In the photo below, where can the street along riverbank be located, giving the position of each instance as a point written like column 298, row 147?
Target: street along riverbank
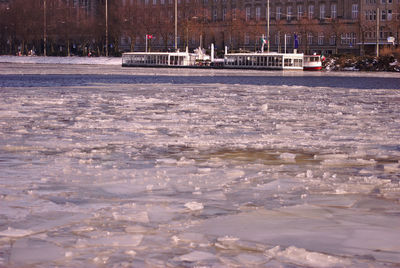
column 332, row 63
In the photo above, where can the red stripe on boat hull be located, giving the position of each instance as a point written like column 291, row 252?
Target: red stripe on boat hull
column 316, row 68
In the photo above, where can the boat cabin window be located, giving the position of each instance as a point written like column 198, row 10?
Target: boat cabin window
column 298, row 63
column 312, row 59
column 288, row 62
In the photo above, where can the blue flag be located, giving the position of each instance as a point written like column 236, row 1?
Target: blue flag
column 296, row 41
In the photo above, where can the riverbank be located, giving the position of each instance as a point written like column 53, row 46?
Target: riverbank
column 331, row 63
column 358, row 63
column 62, row 60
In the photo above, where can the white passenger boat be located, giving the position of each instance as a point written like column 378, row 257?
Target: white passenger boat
column 260, row 61
column 312, row 63
column 269, row 61
column 158, row 59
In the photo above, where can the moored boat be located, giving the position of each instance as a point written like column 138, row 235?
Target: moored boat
column 312, row 63
column 158, row 59
column 268, row 61
column 258, row 61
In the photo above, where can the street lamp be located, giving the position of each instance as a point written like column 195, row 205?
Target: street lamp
column 44, row 29
column 106, row 28
column 268, row 26
column 176, row 24
column 201, row 30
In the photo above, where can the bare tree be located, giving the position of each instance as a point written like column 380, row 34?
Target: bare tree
column 278, row 29
column 256, row 29
column 306, row 26
column 131, row 26
column 24, row 13
column 237, row 27
column 6, row 30
column 338, row 27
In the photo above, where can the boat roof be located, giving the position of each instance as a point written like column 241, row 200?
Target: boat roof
column 266, row 54
column 160, row 53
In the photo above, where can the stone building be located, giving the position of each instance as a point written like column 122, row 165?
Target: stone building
column 327, row 26
column 322, row 26
column 379, row 23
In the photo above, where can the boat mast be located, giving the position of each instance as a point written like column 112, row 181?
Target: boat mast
column 106, row 28
column 268, row 26
column 176, row 24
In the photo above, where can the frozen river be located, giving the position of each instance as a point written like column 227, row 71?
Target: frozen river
column 105, row 166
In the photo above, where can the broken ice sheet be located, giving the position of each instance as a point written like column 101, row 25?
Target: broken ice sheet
column 316, row 229
column 14, row 233
column 79, row 147
column 111, row 240
column 197, row 256
column 28, row 251
column 300, row 256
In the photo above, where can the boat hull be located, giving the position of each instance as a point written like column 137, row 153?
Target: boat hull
column 312, row 68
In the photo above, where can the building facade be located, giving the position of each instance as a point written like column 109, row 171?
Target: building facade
column 322, row 26
column 379, row 23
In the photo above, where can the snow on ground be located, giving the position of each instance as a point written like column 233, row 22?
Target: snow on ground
column 62, row 60
column 126, row 167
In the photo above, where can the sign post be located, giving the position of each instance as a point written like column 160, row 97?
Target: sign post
column 391, row 39
column 148, row 36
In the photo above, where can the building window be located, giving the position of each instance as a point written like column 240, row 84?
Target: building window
column 333, row 11
column 278, row 13
column 354, row 11
column 289, row 40
column 258, row 13
column 389, row 15
column 310, row 38
column 332, row 40
column 224, row 14
column 154, row 2
column 215, row 15
column 349, row 39
column 248, row 12
column 277, row 38
column 343, row 39
column 299, row 12
column 320, row 39
column 246, row 39
column 289, row 13
column 383, row 15
column 310, row 12
column 322, row 11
